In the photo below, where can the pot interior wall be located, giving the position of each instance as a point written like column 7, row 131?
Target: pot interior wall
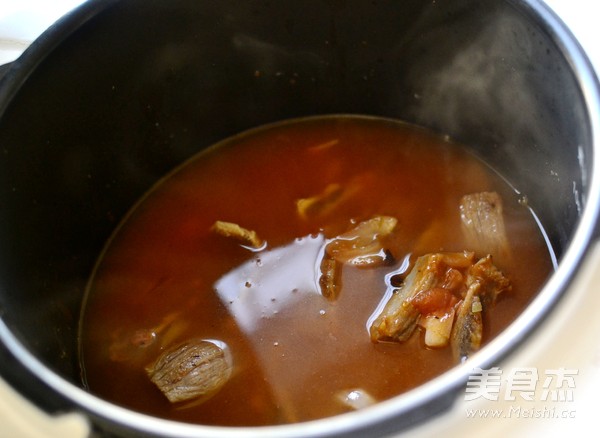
column 145, row 84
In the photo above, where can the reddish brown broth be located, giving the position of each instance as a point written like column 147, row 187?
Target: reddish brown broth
column 293, row 350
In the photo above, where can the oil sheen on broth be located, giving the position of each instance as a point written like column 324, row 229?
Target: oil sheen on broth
column 168, row 276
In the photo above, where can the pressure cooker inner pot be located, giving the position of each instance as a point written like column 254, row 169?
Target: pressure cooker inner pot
column 119, row 93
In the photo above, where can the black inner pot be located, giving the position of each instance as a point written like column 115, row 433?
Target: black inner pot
column 120, row 92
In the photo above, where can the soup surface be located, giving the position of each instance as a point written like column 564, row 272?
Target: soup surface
column 170, row 275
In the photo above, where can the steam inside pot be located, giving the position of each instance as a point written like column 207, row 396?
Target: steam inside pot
column 306, row 269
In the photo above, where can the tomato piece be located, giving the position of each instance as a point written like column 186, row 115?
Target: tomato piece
column 434, row 300
column 453, row 280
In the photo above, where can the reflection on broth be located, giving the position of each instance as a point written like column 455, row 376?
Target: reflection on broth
column 306, row 269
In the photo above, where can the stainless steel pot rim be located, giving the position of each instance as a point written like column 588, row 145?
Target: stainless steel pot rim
column 447, row 384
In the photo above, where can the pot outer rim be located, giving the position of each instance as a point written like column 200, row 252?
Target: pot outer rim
column 387, row 416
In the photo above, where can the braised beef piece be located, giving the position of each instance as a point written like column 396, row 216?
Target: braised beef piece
column 446, row 294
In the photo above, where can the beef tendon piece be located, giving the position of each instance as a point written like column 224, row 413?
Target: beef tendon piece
column 360, row 247
column 246, row 237
column 321, row 204
column 398, row 319
column 363, row 245
column 330, row 279
column 483, row 224
column 192, row 370
column 467, row 331
column 333, row 197
column 484, row 283
column 492, row 282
